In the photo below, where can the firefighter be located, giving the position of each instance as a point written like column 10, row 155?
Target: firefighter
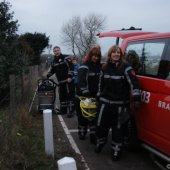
column 117, row 80
column 62, row 67
column 88, row 76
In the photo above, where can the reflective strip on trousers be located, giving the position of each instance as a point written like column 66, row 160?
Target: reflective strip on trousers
column 100, row 114
column 92, row 129
column 101, row 141
column 82, row 130
column 116, row 146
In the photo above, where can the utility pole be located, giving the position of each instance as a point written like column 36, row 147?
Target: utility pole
column 48, row 61
column 49, row 49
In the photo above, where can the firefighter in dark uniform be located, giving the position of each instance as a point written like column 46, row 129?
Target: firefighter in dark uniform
column 118, row 84
column 88, row 76
column 62, row 67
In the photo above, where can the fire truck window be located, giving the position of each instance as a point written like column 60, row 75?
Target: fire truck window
column 149, row 55
column 152, row 54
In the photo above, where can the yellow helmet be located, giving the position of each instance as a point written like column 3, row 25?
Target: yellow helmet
column 88, row 107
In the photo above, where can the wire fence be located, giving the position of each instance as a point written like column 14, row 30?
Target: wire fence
column 20, row 89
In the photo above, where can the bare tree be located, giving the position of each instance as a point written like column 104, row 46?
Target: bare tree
column 79, row 35
column 70, row 33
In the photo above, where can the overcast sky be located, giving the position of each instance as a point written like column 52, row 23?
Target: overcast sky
column 48, row 16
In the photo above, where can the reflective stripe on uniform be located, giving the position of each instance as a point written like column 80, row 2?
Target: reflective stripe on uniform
column 113, row 102
column 100, row 114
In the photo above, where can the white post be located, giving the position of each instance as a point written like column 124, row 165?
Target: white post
column 48, row 132
column 67, row 163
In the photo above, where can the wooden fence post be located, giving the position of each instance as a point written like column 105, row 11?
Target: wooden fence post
column 12, row 95
column 36, row 73
column 23, row 85
column 30, row 77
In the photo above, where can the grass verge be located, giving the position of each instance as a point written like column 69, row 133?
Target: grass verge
column 22, row 143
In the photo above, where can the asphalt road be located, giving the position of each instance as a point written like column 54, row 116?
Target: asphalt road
column 102, row 161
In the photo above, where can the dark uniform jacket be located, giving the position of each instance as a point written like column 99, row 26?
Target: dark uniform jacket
column 62, row 67
column 88, row 75
column 117, row 83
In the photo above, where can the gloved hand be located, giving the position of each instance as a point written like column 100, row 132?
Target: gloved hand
column 69, row 80
column 97, row 96
column 49, row 75
column 86, row 94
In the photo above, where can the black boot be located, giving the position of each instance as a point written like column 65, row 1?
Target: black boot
column 98, row 149
column 82, row 131
column 82, row 137
column 93, row 139
column 63, row 111
column 70, row 115
column 100, row 144
column 116, row 155
column 116, row 149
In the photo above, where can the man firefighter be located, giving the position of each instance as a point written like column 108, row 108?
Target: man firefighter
column 63, row 69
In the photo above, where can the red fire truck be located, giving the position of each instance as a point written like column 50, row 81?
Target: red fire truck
column 153, row 51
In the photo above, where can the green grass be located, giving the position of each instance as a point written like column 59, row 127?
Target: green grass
column 22, row 143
